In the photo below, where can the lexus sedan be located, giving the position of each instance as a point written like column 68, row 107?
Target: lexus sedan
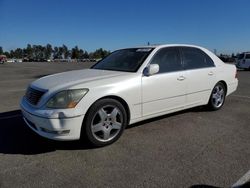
column 128, row 86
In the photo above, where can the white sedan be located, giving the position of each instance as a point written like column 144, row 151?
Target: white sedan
column 128, row 86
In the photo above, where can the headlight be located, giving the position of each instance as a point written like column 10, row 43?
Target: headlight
column 67, row 98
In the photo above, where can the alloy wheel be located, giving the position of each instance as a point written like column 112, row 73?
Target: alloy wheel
column 218, row 96
column 106, row 123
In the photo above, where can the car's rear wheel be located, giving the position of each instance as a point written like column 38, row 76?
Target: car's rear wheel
column 217, row 97
column 105, row 122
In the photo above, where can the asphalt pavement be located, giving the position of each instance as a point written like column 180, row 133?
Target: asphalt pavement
column 183, row 149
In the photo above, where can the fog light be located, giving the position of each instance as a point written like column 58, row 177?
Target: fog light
column 55, row 132
column 63, row 132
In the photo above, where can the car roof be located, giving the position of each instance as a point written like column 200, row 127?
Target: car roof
column 169, row 45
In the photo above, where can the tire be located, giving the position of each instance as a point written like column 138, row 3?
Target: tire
column 105, row 122
column 217, row 97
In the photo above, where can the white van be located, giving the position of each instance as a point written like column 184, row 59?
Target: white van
column 243, row 61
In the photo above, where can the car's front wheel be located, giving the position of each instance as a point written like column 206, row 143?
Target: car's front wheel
column 105, row 122
column 217, row 97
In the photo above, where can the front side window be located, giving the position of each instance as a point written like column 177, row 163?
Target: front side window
column 195, row 58
column 127, row 60
column 168, row 60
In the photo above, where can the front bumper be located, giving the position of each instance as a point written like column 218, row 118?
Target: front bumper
column 66, row 128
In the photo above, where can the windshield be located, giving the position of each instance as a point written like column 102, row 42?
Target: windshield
column 127, row 60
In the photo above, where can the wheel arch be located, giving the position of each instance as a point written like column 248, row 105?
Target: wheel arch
column 209, row 104
column 224, row 83
column 119, row 99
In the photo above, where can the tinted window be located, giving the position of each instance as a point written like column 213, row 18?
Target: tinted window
column 168, row 60
column 128, row 60
column 247, row 56
column 241, row 56
column 195, row 58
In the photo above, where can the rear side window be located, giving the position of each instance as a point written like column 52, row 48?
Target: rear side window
column 195, row 58
column 247, row 56
column 168, row 60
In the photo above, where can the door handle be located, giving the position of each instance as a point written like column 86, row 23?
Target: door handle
column 210, row 73
column 181, row 78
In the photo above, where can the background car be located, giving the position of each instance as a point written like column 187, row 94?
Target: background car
column 3, row 59
column 243, row 61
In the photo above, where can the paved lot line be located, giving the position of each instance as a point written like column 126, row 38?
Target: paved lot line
column 242, row 180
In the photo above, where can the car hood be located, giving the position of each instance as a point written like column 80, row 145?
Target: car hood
column 71, row 78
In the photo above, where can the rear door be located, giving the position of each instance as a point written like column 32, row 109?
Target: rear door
column 200, row 73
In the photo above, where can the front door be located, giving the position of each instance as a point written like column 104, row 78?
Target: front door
column 166, row 90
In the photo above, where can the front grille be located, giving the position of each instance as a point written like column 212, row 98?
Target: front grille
column 33, row 96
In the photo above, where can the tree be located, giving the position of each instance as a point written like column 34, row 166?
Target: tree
column 75, row 53
column 18, row 53
column 66, row 52
column 55, row 52
column 60, row 52
column 29, row 52
column 7, row 54
column 11, row 53
column 86, row 55
column 99, row 54
column 40, row 52
column 48, row 51
column 81, row 53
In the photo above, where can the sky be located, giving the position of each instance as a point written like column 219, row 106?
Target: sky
column 111, row 24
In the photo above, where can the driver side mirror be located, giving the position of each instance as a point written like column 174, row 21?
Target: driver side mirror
column 151, row 70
